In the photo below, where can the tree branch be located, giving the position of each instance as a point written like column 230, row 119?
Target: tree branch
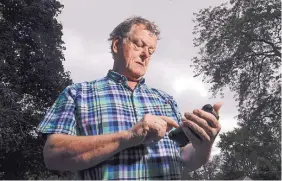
column 275, row 49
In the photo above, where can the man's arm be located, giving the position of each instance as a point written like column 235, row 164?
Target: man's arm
column 193, row 159
column 65, row 151
column 72, row 153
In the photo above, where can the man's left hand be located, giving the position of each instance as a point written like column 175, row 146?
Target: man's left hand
column 205, row 125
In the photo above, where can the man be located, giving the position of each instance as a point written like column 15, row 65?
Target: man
column 117, row 127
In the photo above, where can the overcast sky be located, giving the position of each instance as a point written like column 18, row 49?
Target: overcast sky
column 88, row 23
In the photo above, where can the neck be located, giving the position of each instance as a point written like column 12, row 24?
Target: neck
column 132, row 84
column 131, row 81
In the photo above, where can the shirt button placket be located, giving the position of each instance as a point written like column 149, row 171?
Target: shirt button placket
column 133, row 100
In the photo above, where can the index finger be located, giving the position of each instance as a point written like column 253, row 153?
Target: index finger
column 170, row 121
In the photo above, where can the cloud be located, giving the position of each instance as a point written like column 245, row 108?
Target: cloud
column 85, row 61
column 183, row 83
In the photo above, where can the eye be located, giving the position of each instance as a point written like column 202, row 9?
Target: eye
column 137, row 43
column 140, row 45
column 151, row 51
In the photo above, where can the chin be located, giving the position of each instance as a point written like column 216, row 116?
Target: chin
column 138, row 74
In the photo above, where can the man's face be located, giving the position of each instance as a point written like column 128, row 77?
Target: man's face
column 133, row 55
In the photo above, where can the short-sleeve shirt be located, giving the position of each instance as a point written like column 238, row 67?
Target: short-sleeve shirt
column 109, row 105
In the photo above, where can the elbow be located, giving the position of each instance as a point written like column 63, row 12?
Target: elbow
column 49, row 164
column 55, row 166
column 48, row 160
column 55, row 156
column 54, row 160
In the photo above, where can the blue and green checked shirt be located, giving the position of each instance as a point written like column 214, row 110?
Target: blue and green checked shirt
column 107, row 106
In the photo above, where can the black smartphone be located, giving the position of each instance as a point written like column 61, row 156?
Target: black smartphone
column 179, row 136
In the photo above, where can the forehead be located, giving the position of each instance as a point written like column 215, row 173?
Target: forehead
column 139, row 31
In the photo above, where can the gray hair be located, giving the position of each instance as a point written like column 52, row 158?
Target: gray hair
column 123, row 29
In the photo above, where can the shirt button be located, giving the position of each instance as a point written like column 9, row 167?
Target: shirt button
column 116, row 175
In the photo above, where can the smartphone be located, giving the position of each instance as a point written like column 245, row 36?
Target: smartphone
column 178, row 136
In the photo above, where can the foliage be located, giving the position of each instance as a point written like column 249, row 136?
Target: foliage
column 240, row 49
column 31, row 77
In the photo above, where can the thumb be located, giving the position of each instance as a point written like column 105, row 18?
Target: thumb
column 217, row 106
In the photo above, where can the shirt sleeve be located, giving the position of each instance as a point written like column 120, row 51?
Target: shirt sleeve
column 60, row 118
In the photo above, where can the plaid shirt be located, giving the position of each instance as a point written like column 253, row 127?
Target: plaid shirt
column 107, row 106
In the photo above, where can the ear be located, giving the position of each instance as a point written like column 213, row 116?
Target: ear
column 115, row 44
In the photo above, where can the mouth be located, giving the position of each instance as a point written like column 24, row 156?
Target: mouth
column 140, row 64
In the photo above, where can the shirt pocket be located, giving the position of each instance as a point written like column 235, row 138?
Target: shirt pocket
column 160, row 108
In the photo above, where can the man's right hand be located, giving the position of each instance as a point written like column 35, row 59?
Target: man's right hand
column 151, row 129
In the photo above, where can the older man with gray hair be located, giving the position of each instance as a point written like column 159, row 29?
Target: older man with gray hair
column 117, row 127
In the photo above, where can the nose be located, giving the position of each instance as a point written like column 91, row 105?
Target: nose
column 145, row 54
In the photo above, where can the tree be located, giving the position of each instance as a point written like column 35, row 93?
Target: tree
column 31, row 77
column 240, row 45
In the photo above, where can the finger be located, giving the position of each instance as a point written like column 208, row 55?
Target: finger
column 170, row 122
column 201, row 123
column 197, row 129
column 217, row 106
column 200, row 115
column 158, row 130
column 168, row 128
column 158, row 125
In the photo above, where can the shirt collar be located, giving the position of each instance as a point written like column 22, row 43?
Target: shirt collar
column 121, row 78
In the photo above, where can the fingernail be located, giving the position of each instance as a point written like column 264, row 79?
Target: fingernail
column 187, row 114
column 196, row 111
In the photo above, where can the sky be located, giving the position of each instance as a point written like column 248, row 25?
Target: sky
column 86, row 28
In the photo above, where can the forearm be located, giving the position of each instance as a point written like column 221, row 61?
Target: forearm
column 72, row 153
column 194, row 159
